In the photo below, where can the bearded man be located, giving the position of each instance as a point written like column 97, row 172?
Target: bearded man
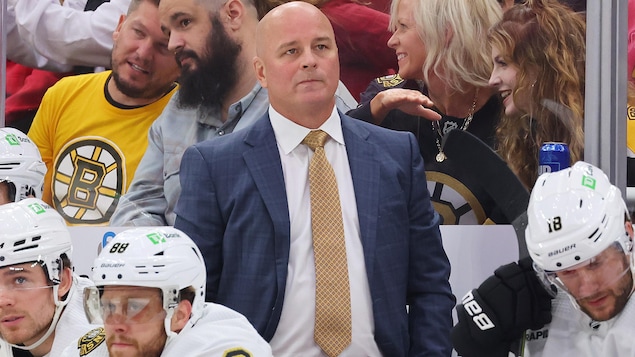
column 215, row 43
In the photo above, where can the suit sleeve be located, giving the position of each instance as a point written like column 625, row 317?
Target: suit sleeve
column 430, row 297
column 201, row 222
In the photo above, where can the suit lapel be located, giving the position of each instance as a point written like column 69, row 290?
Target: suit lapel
column 365, row 172
column 263, row 163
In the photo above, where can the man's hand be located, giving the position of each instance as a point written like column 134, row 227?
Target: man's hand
column 498, row 312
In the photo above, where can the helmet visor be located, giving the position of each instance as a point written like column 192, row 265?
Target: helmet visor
column 123, row 305
column 593, row 275
column 23, row 278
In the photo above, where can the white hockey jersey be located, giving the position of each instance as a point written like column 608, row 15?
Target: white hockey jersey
column 572, row 333
column 219, row 332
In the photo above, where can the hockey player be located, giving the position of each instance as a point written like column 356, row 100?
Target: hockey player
column 150, row 298
column 21, row 167
column 40, row 296
column 580, row 239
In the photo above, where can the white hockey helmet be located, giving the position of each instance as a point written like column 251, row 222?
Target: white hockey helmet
column 156, row 257
column 573, row 215
column 33, row 231
column 21, row 164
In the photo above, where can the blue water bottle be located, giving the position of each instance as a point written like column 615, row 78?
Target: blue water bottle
column 553, row 157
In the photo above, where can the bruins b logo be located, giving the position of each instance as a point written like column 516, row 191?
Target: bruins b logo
column 91, row 340
column 453, row 200
column 390, row 80
column 88, row 179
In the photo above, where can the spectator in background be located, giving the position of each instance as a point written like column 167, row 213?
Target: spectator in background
column 538, row 51
column 380, row 5
column 54, row 36
column 246, row 203
column 218, row 94
column 92, row 129
column 361, row 33
column 630, row 113
column 25, row 88
column 443, row 54
column 26, row 85
column 631, row 41
column 630, row 135
column 506, row 4
column 576, row 5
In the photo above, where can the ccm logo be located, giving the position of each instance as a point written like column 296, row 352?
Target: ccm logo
column 474, row 309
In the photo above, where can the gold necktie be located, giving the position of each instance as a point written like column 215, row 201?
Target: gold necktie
column 332, row 292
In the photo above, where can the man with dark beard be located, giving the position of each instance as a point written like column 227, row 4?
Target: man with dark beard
column 214, row 42
column 92, row 129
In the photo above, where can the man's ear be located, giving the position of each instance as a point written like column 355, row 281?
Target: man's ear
column 261, row 73
column 233, row 12
column 629, row 229
column 181, row 316
column 66, row 283
column 115, row 33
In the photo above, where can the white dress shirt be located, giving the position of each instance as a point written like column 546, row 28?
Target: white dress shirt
column 294, row 334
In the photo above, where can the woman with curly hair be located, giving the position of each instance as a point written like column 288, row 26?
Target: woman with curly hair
column 538, row 51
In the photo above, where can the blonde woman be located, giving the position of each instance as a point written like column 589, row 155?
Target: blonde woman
column 444, row 64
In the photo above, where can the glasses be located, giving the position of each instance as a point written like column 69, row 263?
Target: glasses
column 114, row 307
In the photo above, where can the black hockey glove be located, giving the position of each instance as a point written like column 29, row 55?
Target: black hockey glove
column 498, row 312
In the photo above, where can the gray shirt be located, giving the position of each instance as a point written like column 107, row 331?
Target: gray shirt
column 155, row 189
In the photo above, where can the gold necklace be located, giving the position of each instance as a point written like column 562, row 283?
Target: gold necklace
column 436, row 129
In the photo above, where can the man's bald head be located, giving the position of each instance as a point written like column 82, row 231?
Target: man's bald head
column 297, row 61
column 281, row 14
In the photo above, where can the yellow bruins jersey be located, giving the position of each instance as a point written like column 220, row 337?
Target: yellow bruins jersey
column 91, row 146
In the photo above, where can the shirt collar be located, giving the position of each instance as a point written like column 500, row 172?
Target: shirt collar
column 211, row 116
column 289, row 134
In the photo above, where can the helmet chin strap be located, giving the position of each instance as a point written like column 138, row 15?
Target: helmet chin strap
column 59, row 307
column 167, row 324
column 632, row 261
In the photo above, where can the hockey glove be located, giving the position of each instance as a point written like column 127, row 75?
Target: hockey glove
column 497, row 313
